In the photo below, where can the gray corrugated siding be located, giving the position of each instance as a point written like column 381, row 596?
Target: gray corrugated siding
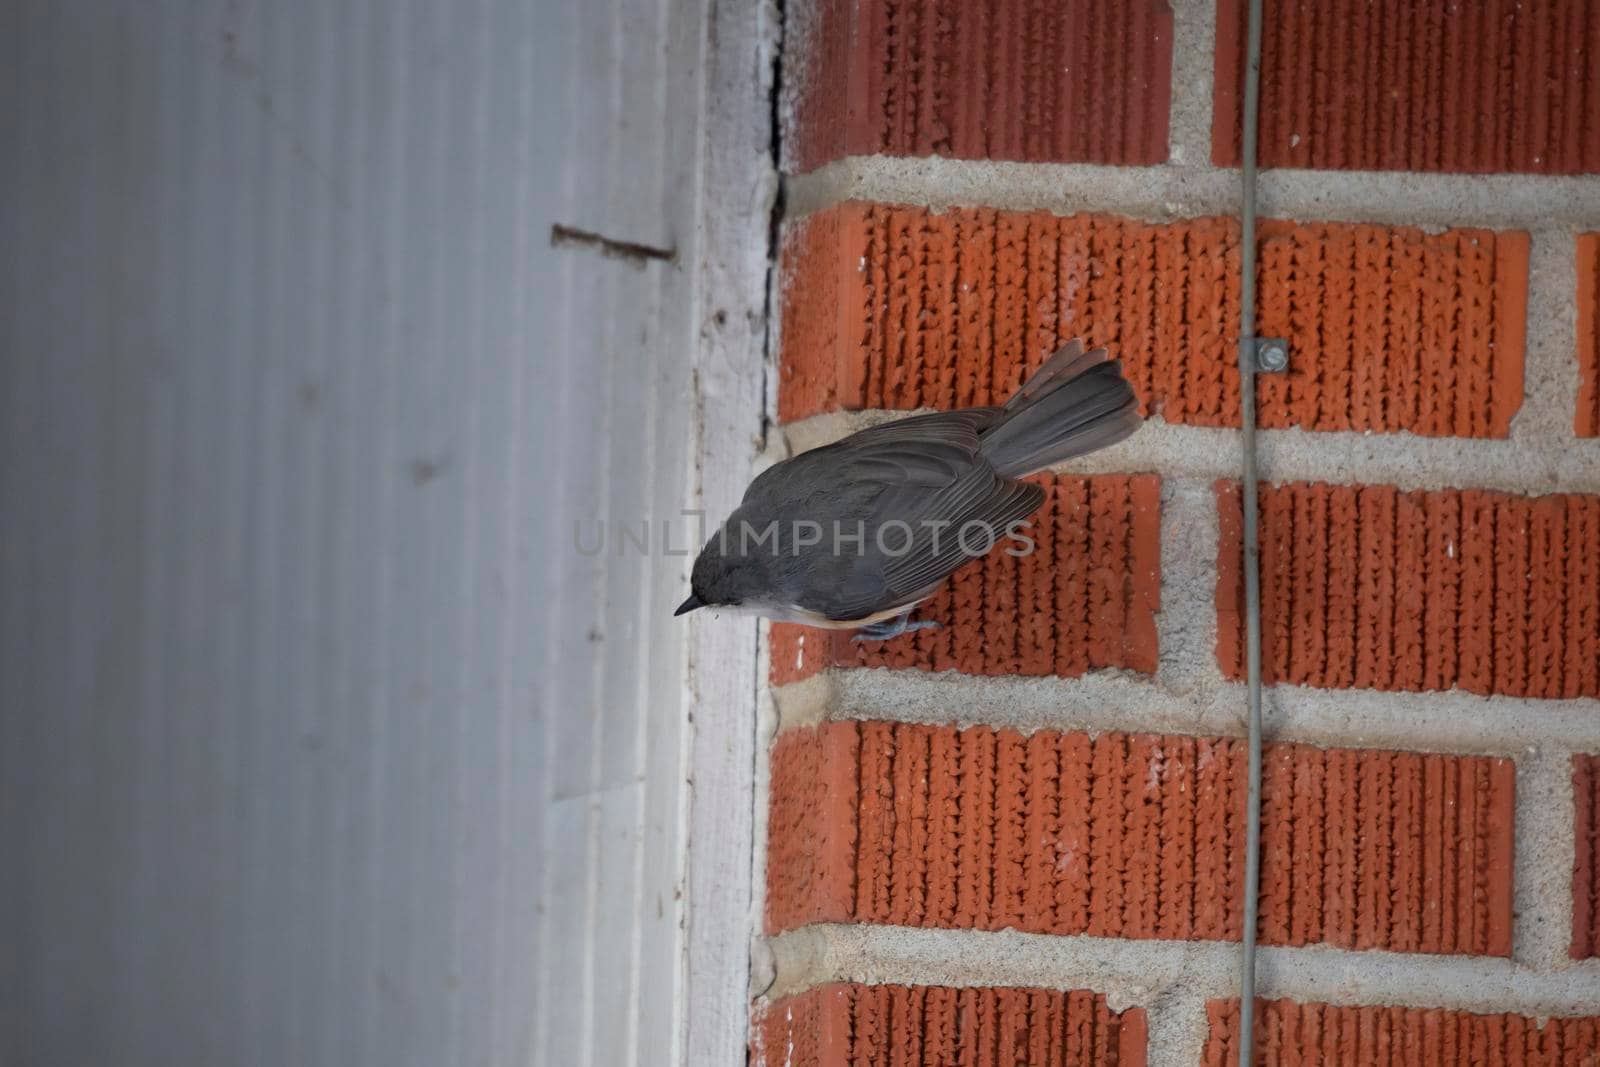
column 301, row 677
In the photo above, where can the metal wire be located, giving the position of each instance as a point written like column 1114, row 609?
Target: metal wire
column 1252, row 546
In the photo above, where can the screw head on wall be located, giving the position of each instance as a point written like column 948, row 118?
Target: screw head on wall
column 1272, row 355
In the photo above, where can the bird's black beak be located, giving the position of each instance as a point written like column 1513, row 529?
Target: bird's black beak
column 689, row 605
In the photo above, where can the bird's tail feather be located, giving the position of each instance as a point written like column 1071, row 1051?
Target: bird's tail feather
column 1076, row 403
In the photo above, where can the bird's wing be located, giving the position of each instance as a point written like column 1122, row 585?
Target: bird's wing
column 909, row 487
column 941, row 546
column 952, row 427
column 958, row 430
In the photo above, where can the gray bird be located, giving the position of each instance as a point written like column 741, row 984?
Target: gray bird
column 855, row 534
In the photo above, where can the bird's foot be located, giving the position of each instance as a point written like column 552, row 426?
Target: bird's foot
column 890, row 628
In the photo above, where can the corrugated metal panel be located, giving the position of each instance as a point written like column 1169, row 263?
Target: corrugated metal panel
column 301, row 675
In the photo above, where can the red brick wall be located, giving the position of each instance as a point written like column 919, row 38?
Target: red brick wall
column 1394, row 329
column 1368, row 587
column 1434, row 552
column 1586, row 857
column 1287, row 1032
column 1587, row 421
column 1424, row 86
column 1020, row 80
column 1136, row 836
column 843, row 1025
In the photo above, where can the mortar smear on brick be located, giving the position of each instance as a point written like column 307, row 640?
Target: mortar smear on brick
column 1289, row 1032
column 1137, row 836
column 1420, row 86
column 1391, row 328
column 1367, row 587
column 1084, row 597
column 1032, row 80
column 845, row 1025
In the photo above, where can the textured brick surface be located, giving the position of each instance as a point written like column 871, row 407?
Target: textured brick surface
column 1393, row 329
column 1586, row 856
column 1344, row 1036
column 1587, row 421
column 1034, row 80
column 906, row 1026
column 796, row 652
column 1371, row 588
column 1427, row 85
column 1137, row 836
column 1084, row 598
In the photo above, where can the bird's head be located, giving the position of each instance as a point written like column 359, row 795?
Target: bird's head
column 727, row 576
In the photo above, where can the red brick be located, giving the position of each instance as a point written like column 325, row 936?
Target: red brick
column 1137, row 836
column 1430, row 85
column 1085, row 598
column 795, row 652
column 1392, row 328
column 1586, row 423
column 856, row 1025
column 1029, row 80
column 1586, row 857
column 1363, row 586
column 1384, row 1036
column 811, row 825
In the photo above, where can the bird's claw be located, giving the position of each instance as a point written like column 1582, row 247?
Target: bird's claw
column 883, row 631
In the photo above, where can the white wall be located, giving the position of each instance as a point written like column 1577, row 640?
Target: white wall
column 319, row 744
